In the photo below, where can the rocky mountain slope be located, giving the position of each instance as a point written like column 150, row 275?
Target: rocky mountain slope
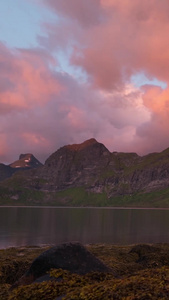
column 92, row 166
column 92, row 170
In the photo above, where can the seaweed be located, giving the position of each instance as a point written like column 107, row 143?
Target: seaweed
column 143, row 274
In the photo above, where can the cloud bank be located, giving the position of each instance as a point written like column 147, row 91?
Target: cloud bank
column 78, row 83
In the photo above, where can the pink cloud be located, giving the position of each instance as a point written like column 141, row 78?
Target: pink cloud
column 27, row 85
column 125, row 37
column 47, row 109
column 131, row 40
column 86, row 12
column 25, row 79
column 42, row 109
column 122, row 39
column 154, row 133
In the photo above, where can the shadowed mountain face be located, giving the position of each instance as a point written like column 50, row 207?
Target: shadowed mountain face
column 92, row 167
column 76, row 165
column 5, row 172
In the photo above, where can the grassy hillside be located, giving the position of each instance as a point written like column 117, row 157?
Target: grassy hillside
column 14, row 192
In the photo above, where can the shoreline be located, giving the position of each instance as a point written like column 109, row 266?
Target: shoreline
column 32, row 247
column 87, row 207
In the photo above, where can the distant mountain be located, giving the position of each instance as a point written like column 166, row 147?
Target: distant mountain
column 89, row 174
column 26, row 161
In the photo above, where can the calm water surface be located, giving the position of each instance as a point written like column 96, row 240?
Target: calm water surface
column 20, row 226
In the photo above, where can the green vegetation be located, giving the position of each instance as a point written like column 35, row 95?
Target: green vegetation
column 21, row 196
column 142, row 273
column 79, row 196
column 152, row 160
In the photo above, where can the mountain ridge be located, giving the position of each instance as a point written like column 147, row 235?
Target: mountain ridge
column 89, row 170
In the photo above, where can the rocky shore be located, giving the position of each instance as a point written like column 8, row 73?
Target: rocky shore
column 74, row 271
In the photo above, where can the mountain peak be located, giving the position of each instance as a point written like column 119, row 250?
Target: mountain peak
column 26, row 161
column 85, row 144
column 27, row 156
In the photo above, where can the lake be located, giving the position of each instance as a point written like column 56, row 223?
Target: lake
column 21, row 226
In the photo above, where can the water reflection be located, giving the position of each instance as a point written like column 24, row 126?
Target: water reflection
column 37, row 226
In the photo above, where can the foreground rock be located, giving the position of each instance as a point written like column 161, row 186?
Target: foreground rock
column 143, row 274
column 72, row 257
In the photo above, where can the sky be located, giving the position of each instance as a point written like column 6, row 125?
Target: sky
column 71, row 70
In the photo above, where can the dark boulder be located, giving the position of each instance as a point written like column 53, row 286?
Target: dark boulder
column 73, row 257
column 144, row 249
column 148, row 255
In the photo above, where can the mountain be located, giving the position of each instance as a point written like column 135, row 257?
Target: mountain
column 89, row 174
column 25, row 162
column 75, row 165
